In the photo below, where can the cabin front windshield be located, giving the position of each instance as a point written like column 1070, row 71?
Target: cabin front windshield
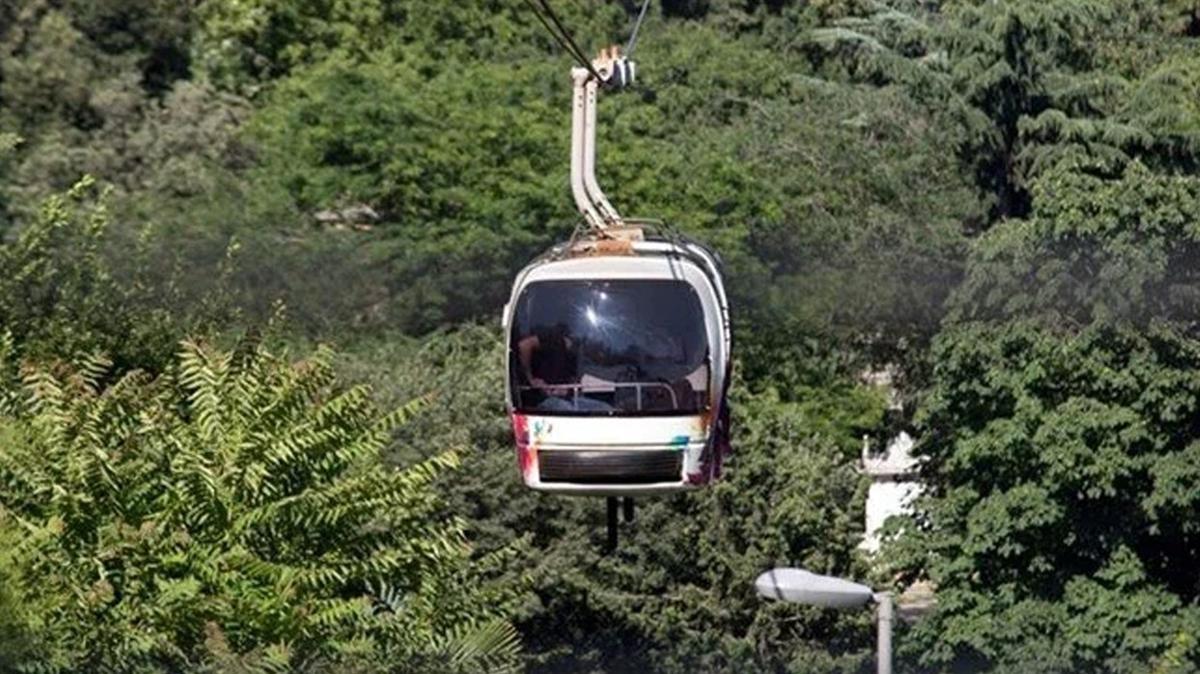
column 617, row 347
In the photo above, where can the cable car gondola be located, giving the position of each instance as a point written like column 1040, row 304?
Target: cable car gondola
column 618, row 345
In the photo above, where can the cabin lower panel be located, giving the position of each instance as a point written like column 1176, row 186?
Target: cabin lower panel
column 611, row 457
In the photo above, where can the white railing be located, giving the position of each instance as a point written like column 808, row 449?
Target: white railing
column 576, row 389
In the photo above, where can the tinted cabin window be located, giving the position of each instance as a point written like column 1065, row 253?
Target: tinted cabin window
column 622, row 347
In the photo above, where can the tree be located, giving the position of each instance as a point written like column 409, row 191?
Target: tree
column 246, row 45
column 61, row 295
column 1059, row 526
column 16, row 618
column 677, row 595
column 70, row 68
column 1030, row 82
column 1054, row 529
column 1094, row 249
column 233, row 512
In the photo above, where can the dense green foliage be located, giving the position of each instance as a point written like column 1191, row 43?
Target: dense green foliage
column 1062, row 535
column 1060, row 434
column 996, row 201
column 677, row 595
column 232, row 511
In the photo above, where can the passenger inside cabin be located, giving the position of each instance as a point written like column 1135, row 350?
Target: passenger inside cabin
column 550, row 363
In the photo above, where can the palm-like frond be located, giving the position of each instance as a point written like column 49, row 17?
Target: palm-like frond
column 491, row 647
column 242, row 491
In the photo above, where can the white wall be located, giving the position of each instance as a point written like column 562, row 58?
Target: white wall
column 893, row 488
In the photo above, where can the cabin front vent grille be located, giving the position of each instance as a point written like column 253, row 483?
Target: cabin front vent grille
column 611, row 466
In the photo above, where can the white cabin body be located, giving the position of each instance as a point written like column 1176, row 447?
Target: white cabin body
column 634, row 353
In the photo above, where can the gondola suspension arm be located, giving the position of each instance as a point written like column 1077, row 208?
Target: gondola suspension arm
column 609, row 69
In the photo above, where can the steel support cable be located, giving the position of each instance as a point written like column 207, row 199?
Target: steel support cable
column 554, row 34
column 562, row 36
column 636, row 27
column 567, row 34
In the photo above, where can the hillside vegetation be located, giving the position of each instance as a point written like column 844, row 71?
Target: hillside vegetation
column 253, row 254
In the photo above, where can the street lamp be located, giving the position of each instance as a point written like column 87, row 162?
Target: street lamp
column 803, row 587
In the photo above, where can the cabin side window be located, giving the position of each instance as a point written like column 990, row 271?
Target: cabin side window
column 614, row 347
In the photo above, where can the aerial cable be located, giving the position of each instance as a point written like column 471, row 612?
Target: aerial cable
column 563, row 30
column 636, row 27
column 563, row 36
column 553, row 33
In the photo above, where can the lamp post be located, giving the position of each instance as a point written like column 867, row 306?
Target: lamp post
column 803, row 587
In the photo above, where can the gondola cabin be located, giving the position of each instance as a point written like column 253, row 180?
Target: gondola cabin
column 618, row 345
column 618, row 363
